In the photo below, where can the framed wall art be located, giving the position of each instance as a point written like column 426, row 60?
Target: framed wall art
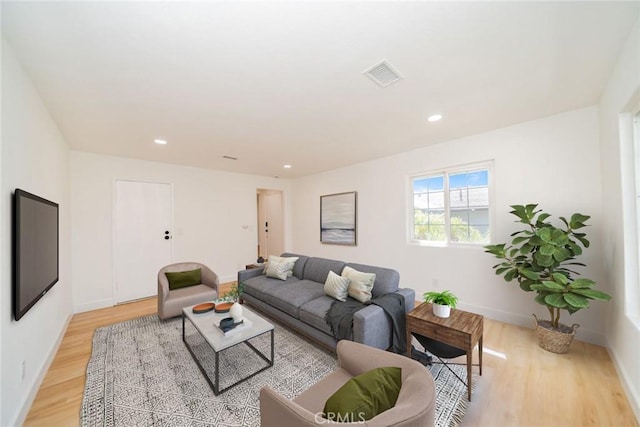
column 338, row 218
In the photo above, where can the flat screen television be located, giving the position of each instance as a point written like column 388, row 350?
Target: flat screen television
column 35, row 249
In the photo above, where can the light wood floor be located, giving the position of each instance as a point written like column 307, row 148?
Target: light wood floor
column 521, row 385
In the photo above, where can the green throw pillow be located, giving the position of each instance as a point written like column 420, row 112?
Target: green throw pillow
column 183, row 279
column 365, row 396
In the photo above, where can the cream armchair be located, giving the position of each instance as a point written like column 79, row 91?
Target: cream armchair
column 171, row 303
column 415, row 406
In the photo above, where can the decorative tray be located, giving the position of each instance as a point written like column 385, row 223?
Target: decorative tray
column 223, row 307
column 204, row 307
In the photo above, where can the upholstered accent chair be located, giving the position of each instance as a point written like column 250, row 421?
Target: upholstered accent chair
column 415, row 406
column 171, row 302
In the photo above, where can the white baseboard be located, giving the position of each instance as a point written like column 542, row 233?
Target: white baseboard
column 585, row 335
column 94, row 305
column 35, row 386
column 632, row 393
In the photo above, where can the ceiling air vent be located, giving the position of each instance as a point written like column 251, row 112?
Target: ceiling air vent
column 383, row 74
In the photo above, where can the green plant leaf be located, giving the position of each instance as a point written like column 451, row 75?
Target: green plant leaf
column 529, row 274
column 547, row 249
column 574, row 300
column 519, row 239
column 540, row 298
column 526, row 284
column 543, row 260
column 577, row 220
column 541, row 218
column 555, row 300
column 553, row 285
column 582, row 284
column 563, row 219
column 592, row 294
column 560, row 278
column 511, row 274
column 502, row 270
column 539, row 288
column 526, row 248
column 544, row 234
column 582, row 239
column 561, row 254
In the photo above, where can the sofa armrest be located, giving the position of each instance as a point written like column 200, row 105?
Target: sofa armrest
column 163, row 287
column 277, row 411
column 210, row 278
column 409, row 298
column 372, row 326
column 350, row 358
column 248, row 274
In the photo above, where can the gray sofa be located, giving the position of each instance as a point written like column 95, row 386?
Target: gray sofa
column 300, row 301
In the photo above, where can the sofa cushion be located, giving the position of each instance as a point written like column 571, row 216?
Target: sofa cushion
column 337, row 286
column 360, row 283
column 281, row 268
column 184, row 279
column 313, row 313
column 317, row 269
column 290, row 296
column 259, row 286
column 365, row 396
column 387, row 280
column 298, row 269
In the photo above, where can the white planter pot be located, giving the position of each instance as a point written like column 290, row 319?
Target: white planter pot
column 441, row 310
column 236, row 312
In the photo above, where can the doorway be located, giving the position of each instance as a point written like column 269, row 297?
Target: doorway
column 270, row 223
column 142, row 237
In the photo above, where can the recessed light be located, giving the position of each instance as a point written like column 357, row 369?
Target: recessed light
column 435, row 117
column 160, row 141
column 287, row 166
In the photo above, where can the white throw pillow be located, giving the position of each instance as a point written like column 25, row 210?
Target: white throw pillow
column 360, row 284
column 278, row 270
column 336, row 286
column 279, row 259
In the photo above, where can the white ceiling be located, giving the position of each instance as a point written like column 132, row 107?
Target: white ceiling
column 274, row 83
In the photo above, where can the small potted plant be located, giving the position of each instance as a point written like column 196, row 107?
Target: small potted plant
column 442, row 302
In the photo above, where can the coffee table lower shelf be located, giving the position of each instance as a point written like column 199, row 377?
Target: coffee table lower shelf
column 215, row 384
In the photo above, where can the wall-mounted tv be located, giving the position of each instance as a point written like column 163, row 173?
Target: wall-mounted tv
column 35, row 249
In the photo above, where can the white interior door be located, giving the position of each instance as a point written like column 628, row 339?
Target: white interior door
column 142, row 241
column 270, row 223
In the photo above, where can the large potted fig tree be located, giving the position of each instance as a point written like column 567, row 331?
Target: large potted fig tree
column 542, row 259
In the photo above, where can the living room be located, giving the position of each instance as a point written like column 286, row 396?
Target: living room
column 566, row 152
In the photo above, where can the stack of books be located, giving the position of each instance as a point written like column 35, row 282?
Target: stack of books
column 228, row 327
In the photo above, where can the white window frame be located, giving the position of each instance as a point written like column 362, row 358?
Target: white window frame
column 487, row 165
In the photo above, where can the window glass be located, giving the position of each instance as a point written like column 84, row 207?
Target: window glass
column 452, row 206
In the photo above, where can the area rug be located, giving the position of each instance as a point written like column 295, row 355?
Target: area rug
column 141, row 374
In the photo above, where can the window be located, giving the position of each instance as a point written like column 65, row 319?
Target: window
column 451, row 206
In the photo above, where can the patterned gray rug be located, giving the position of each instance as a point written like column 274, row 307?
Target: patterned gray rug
column 141, row 374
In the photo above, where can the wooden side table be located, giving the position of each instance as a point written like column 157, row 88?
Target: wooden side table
column 461, row 330
column 254, row 265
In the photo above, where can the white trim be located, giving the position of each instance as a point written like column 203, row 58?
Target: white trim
column 627, row 383
column 630, row 218
column 94, row 305
column 42, row 373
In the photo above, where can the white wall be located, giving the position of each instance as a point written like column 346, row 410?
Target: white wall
column 622, row 95
column 211, row 209
column 553, row 161
column 35, row 157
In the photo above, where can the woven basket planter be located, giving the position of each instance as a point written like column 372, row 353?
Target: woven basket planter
column 554, row 340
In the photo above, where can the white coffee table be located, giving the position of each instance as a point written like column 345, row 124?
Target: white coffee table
column 205, row 325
